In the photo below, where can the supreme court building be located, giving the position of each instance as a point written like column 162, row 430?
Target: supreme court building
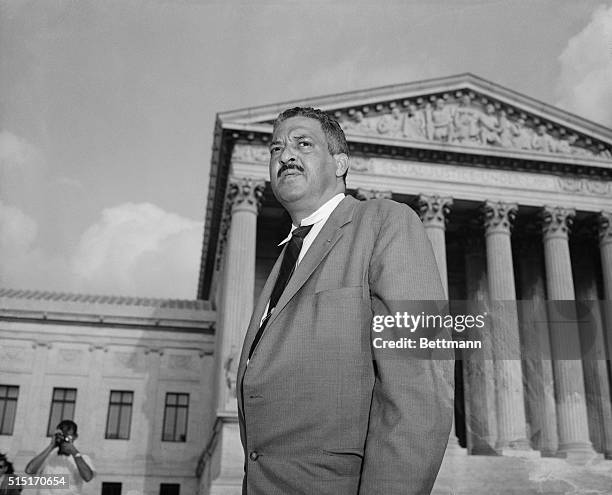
column 516, row 198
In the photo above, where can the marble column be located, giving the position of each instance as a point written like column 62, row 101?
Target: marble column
column 605, row 251
column 511, row 423
column 597, row 388
column 222, row 463
column 148, row 423
column 573, row 428
column 34, row 420
column 478, row 374
column 434, row 211
column 535, row 348
column 236, row 303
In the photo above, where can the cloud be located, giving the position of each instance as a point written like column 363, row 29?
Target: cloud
column 133, row 249
column 23, row 265
column 585, row 83
column 139, row 249
column 22, row 168
column 16, row 152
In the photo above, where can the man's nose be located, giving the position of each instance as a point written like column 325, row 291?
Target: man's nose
column 287, row 155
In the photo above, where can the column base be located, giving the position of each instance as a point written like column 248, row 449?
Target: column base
column 517, row 448
column 578, row 453
column 221, row 466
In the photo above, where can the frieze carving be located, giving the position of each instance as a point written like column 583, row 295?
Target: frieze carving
column 180, row 362
column 464, row 119
column 604, row 227
column 11, row 353
column 70, row 356
column 127, row 359
column 434, row 210
column 556, row 221
column 499, row 216
column 365, row 194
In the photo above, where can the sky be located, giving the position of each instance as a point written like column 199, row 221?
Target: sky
column 107, row 108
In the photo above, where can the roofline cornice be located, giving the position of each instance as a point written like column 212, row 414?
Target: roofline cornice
column 410, row 90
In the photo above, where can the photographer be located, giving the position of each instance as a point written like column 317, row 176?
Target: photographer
column 6, row 469
column 68, row 462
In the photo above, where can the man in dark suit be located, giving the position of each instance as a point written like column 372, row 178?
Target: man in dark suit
column 321, row 409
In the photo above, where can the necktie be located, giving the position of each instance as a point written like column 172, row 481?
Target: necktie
column 292, row 252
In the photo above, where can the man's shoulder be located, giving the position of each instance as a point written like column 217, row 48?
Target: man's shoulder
column 385, row 209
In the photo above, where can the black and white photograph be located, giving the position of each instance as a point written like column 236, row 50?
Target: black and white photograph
column 277, row 247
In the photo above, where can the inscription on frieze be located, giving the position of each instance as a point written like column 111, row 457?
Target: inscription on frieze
column 448, row 173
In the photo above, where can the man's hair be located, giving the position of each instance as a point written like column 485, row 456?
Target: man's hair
column 336, row 140
column 9, row 465
column 68, row 424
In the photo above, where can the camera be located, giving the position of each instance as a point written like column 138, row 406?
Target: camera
column 61, row 438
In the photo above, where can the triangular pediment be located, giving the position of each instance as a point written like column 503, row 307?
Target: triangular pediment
column 461, row 112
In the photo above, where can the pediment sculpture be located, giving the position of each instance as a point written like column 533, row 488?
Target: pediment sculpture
column 468, row 121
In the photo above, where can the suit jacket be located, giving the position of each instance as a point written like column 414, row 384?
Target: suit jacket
column 5, row 489
column 321, row 410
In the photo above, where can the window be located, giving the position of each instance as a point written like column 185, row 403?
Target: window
column 175, row 418
column 111, row 488
column 8, row 406
column 62, row 407
column 169, row 489
column 119, row 414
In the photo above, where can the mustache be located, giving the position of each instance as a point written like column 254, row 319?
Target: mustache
column 289, row 166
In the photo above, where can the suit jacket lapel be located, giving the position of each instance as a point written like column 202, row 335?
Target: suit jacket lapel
column 325, row 240
column 260, row 307
column 329, row 235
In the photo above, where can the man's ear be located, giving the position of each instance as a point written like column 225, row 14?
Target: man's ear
column 342, row 163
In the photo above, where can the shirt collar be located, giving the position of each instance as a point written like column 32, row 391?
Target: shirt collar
column 321, row 214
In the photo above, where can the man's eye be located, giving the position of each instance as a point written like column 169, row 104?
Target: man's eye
column 304, row 144
column 274, row 149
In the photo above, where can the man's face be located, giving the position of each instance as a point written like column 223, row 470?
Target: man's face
column 303, row 173
column 67, row 432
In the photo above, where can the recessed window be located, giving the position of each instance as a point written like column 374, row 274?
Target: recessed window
column 175, row 417
column 8, row 407
column 111, row 488
column 169, row 489
column 119, row 414
column 63, row 401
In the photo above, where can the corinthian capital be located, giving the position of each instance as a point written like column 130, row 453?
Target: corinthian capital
column 499, row 217
column 372, row 194
column 245, row 193
column 604, row 227
column 557, row 221
column 434, row 210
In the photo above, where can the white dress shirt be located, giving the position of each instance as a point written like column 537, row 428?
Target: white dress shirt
column 317, row 220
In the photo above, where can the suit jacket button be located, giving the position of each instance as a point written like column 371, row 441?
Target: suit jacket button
column 253, row 456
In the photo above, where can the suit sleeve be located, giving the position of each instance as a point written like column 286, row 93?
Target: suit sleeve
column 412, row 404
